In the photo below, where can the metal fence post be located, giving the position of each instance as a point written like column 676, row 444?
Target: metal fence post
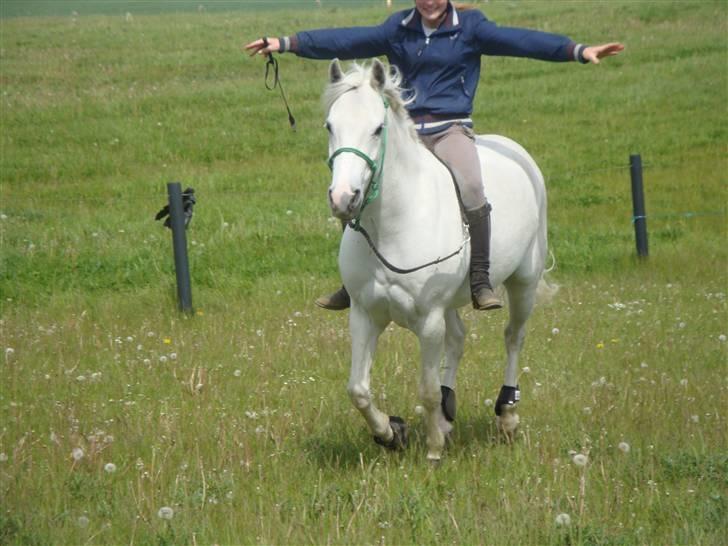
column 179, row 244
column 639, row 217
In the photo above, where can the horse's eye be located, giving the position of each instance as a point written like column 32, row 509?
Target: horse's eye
column 379, row 130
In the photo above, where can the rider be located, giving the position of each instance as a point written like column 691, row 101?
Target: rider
column 437, row 47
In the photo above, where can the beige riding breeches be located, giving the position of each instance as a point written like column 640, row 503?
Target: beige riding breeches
column 455, row 146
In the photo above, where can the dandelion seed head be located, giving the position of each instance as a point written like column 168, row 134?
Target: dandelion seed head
column 9, row 351
column 110, row 468
column 173, row 356
column 419, row 410
column 722, row 338
column 488, row 402
column 237, row 373
column 165, row 512
column 580, row 459
column 82, row 521
column 563, row 520
column 695, row 418
column 163, row 359
column 555, row 331
column 623, row 447
column 683, row 382
column 77, row 453
column 526, row 370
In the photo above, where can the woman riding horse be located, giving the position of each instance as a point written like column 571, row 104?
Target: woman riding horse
column 437, row 48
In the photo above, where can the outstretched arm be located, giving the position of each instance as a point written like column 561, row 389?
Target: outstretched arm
column 263, row 46
column 593, row 54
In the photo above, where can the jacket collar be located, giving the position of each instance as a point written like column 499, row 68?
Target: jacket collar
column 413, row 20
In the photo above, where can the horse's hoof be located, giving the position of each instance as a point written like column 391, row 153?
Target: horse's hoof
column 507, row 424
column 399, row 435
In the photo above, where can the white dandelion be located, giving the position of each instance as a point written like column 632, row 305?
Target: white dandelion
column 488, row 402
column 563, row 520
column 165, row 512
column 237, row 373
column 526, row 370
column 83, row 521
column 580, row 459
column 419, row 410
column 555, row 331
column 9, row 351
column 77, row 454
column 722, row 338
column 110, row 468
column 623, row 447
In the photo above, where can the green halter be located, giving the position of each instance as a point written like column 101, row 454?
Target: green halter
column 375, row 166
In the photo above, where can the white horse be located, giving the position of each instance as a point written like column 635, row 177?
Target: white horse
column 405, row 255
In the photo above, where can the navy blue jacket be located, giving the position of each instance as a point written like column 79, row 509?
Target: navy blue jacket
column 443, row 69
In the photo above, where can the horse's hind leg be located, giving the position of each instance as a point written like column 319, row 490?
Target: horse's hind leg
column 521, row 298
column 454, row 344
column 364, row 336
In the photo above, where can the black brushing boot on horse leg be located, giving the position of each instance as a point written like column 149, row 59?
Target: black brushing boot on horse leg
column 482, row 292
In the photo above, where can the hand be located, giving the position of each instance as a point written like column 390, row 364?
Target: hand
column 261, row 47
column 594, row 53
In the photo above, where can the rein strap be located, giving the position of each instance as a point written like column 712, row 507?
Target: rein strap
column 393, row 268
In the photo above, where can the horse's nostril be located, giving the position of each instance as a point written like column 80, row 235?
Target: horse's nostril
column 356, row 194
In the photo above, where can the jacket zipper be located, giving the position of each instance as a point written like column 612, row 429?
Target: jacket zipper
column 427, row 42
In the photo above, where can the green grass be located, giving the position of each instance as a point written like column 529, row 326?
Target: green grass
column 99, row 113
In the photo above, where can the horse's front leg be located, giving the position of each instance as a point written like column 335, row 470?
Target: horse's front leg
column 432, row 343
column 364, row 336
column 454, row 346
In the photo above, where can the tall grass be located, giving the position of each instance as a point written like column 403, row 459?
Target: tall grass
column 237, row 417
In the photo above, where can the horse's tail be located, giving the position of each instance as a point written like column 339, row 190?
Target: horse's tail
column 546, row 290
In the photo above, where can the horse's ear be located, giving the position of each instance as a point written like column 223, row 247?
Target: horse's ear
column 379, row 75
column 335, row 73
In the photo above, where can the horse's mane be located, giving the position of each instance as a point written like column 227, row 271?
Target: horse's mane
column 359, row 75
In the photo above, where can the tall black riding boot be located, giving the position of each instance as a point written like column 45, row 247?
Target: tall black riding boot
column 481, row 291
column 339, row 300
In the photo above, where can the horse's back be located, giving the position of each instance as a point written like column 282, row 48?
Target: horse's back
column 515, row 188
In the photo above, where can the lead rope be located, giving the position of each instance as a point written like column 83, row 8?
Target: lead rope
column 276, row 82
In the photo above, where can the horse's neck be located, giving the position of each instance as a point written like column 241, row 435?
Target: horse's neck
column 415, row 186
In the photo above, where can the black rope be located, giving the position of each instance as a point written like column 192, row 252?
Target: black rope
column 276, row 82
column 393, row 267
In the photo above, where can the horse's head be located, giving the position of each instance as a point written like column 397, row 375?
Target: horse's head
column 357, row 125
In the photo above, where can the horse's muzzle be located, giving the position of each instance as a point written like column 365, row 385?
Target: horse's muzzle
column 345, row 205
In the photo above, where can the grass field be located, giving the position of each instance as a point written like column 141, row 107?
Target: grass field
column 114, row 406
